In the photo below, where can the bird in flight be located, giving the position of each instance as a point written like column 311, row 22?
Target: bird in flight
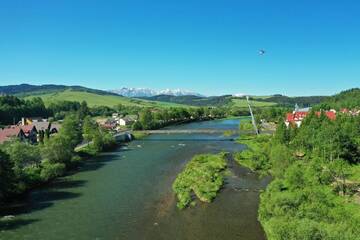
column 261, row 52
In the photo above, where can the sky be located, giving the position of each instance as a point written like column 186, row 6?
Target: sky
column 210, row 47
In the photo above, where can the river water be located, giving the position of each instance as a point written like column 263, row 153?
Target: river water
column 126, row 194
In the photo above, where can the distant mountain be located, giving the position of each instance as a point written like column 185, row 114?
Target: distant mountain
column 28, row 89
column 147, row 92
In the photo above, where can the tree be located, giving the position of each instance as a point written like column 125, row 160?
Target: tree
column 137, row 126
column 57, row 149
column 22, row 155
column 7, row 176
column 71, row 130
column 280, row 158
column 89, row 127
column 83, row 110
column 340, row 170
column 146, row 119
column 282, row 133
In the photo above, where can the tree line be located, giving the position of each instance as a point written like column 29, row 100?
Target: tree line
column 153, row 119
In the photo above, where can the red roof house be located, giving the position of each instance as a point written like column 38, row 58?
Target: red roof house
column 11, row 132
column 297, row 117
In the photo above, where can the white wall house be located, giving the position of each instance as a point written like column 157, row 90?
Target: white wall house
column 126, row 121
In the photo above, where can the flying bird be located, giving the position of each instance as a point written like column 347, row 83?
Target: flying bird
column 262, row 52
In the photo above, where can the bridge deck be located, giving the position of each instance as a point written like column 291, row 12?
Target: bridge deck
column 192, row 131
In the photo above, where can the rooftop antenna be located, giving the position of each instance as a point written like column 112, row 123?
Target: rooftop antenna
column 252, row 117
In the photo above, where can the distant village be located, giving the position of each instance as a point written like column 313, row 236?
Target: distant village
column 296, row 117
column 117, row 122
column 34, row 130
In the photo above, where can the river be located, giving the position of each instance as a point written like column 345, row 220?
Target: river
column 126, row 194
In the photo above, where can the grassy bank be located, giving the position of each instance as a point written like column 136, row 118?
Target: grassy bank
column 139, row 134
column 202, row 177
column 255, row 155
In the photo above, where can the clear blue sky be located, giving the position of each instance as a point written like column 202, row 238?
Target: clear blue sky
column 313, row 47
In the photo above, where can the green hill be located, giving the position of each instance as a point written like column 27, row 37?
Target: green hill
column 192, row 100
column 291, row 101
column 345, row 99
column 23, row 90
column 95, row 99
column 218, row 101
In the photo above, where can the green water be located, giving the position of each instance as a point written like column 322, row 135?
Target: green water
column 126, row 194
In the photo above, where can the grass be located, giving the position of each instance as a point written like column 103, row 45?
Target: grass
column 139, row 134
column 243, row 103
column 229, row 133
column 202, row 176
column 94, row 99
column 246, row 125
column 355, row 173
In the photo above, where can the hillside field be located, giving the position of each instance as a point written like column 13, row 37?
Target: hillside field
column 243, row 103
column 93, row 99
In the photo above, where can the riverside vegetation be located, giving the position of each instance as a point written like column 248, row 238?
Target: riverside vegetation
column 24, row 166
column 202, row 176
column 316, row 175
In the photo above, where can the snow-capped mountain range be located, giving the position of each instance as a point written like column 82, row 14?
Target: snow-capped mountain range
column 147, row 92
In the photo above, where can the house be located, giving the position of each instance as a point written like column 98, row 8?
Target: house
column 330, row 114
column 35, row 127
column 353, row 112
column 11, row 132
column 115, row 115
column 54, row 128
column 127, row 120
column 30, row 132
column 28, row 121
column 43, row 126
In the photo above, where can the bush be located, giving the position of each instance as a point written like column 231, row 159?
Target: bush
column 203, row 176
column 51, row 170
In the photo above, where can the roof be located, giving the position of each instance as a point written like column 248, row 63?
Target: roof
column 57, row 126
column 299, row 116
column 290, row 117
column 296, row 116
column 129, row 118
column 307, row 109
column 6, row 133
column 28, row 128
column 330, row 114
column 41, row 125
